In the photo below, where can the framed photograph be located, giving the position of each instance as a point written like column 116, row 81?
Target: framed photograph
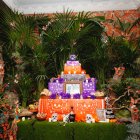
column 73, row 87
column 101, row 114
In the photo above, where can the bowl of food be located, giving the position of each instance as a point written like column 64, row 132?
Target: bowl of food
column 41, row 116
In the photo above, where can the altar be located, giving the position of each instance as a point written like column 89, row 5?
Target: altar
column 73, row 89
column 81, row 107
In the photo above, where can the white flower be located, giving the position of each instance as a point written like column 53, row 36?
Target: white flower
column 15, row 81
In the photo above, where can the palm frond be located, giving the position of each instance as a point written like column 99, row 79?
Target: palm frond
column 136, row 22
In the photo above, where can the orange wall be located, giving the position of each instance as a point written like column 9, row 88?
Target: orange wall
column 123, row 15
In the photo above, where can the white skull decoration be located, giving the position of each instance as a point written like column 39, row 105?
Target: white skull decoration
column 89, row 118
column 54, row 117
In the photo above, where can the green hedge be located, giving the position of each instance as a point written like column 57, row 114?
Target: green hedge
column 43, row 130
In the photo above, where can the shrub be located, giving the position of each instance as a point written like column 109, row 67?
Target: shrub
column 43, row 130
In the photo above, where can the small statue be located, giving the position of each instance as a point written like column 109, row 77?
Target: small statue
column 66, row 118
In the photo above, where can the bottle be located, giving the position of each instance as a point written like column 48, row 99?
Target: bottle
column 72, row 115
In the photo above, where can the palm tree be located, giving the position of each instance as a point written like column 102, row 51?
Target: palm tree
column 18, row 38
column 68, row 33
column 126, row 47
column 43, row 52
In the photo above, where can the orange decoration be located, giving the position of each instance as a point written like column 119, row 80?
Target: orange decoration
column 81, row 107
column 113, row 120
column 83, row 71
column 72, row 69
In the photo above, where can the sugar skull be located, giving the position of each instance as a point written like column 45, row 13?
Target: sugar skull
column 89, row 118
column 54, row 117
column 72, row 57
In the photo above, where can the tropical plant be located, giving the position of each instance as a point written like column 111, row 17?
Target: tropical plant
column 67, row 33
column 124, row 53
column 39, row 61
column 19, row 38
column 40, row 46
column 24, row 86
column 101, row 60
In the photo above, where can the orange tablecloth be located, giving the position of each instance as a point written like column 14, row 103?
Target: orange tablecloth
column 81, row 107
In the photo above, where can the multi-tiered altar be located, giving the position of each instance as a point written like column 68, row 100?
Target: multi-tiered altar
column 72, row 89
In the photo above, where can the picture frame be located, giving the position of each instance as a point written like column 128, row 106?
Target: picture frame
column 73, row 87
column 101, row 114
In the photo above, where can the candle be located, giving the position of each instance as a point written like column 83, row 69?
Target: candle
column 83, row 72
column 23, row 118
column 50, row 119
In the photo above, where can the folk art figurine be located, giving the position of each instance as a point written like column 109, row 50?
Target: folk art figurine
column 69, row 117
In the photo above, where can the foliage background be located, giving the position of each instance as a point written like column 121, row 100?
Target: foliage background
column 36, row 47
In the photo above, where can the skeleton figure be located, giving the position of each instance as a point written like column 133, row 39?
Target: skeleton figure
column 54, row 117
column 66, row 118
column 89, row 118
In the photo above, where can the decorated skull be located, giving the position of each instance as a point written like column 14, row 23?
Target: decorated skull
column 54, row 117
column 89, row 118
column 72, row 57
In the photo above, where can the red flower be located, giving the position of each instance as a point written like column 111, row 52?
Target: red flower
column 4, row 128
column 135, row 110
column 1, row 136
column 138, row 91
column 128, row 87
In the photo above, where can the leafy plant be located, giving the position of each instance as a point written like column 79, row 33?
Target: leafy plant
column 67, row 33
column 19, row 38
column 25, row 88
column 133, row 130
